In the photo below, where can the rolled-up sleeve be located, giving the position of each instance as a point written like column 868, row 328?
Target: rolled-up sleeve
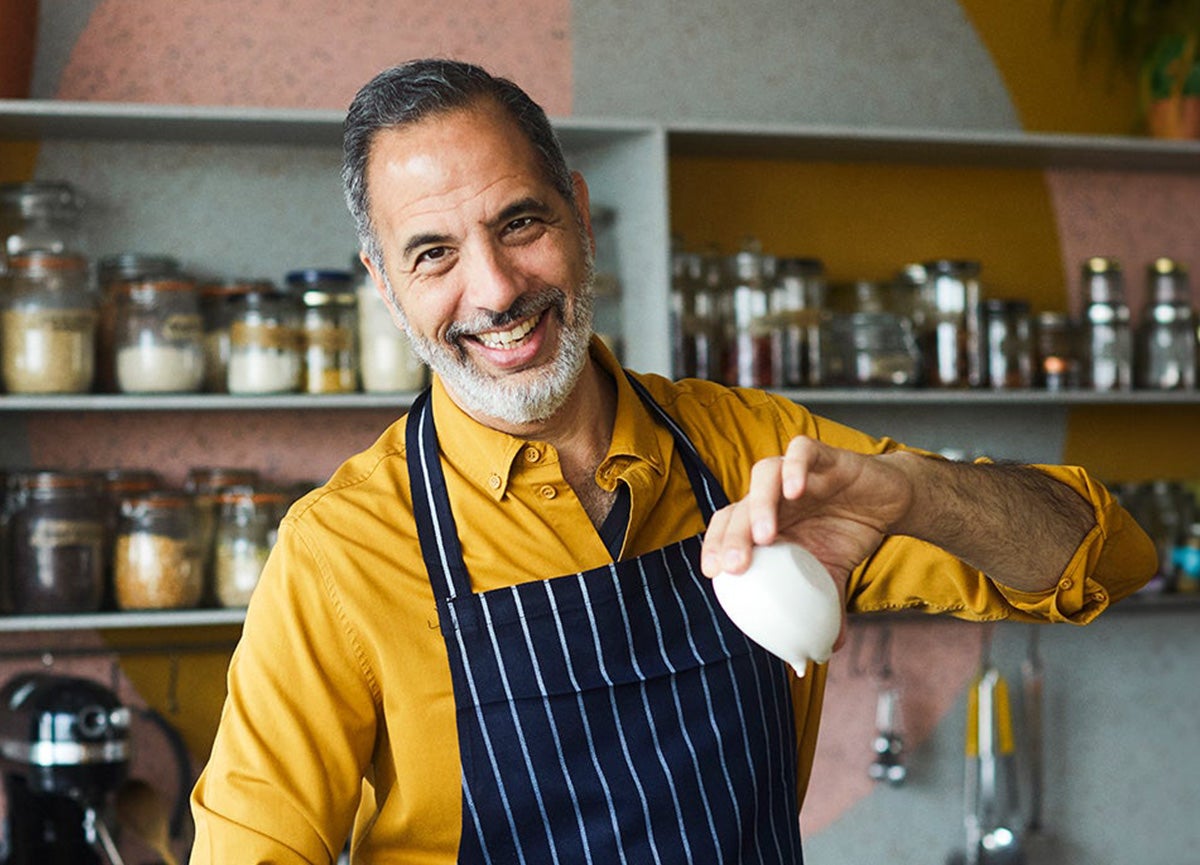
column 1113, row 561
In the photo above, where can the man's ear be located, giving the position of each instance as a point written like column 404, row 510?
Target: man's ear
column 583, row 206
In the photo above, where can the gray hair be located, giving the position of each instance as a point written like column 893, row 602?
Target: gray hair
column 411, row 92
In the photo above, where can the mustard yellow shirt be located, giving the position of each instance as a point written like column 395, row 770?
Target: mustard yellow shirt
column 340, row 709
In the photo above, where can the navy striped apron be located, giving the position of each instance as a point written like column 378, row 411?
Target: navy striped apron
column 610, row 716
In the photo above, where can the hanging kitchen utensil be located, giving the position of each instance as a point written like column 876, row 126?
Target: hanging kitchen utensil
column 990, row 792
column 887, row 746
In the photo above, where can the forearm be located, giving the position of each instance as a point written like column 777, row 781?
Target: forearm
column 1014, row 523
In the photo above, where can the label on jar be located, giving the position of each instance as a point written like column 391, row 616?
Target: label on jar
column 183, row 327
column 331, row 339
column 50, row 533
column 263, row 335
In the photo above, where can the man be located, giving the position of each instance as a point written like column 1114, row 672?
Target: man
column 490, row 637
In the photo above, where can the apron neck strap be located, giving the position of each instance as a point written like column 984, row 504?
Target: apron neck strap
column 440, row 546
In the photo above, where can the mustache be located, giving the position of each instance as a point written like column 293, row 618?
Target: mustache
column 523, row 307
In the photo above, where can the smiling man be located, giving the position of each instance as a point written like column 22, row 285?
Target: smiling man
column 491, row 637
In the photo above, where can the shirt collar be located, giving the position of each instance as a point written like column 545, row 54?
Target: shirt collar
column 486, row 456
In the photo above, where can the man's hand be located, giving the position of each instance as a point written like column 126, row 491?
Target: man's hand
column 838, row 504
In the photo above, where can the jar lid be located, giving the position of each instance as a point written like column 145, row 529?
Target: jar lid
column 36, row 480
column 331, row 280
column 155, row 283
column 1099, row 264
column 35, row 261
column 135, row 265
column 210, row 478
column 249, row 495
column 40, row 198
column 131, row 480
column 329, row 298
column 160, row 498
column 227, row 288
column 952, row 267
column 1163, row 266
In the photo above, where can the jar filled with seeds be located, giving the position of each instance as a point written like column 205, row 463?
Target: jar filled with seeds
column 158, row 336
column 116, row 485
column 48, row 329
column 246, row 523
column 56, row 534
column 329, row 331
column 156, row 560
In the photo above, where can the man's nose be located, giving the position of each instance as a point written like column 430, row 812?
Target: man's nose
column 493, row 279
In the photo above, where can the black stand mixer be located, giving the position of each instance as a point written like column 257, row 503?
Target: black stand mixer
column 64, row 747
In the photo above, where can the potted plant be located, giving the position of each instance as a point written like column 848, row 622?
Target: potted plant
column 1159, row 42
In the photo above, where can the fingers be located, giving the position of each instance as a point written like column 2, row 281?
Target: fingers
column 735, row 530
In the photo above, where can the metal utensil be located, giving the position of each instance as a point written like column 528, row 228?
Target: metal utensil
column 988, row 770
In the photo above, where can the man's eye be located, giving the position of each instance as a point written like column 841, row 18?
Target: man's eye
column 430, row 256
column 520, row 223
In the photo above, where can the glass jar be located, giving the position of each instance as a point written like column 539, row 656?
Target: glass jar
column 869, row 349
column 329, row 330
column 607, row 282
column 116, row 484
column 48, row 330
column 112, row 270
column 40, row 215
column 1008, row 343
column 1056, row 352
column 217, row 301
column 57, row 543
column 1107, row 337
column 204, row 484
column 386, row 359
column 951, row 345
column 797, row 300
column 156, row 560
column 158, row 336
column 752, row 341
column 1165, row 349
column 264, row 343
column 246, row 520
column 703, row 328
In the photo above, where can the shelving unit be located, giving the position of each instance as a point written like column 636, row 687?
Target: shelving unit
column 158, row 174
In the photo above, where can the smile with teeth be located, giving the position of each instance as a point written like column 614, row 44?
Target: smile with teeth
column 507, row 339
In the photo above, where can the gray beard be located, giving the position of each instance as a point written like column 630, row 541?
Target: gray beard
column 529, row 397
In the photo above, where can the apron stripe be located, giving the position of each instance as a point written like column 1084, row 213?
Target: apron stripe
column 520, row 730
column 483, row 727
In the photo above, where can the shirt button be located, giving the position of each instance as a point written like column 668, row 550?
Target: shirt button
column 532, row 455
column 494, row 482
column 548, row 492
column 1065, row 585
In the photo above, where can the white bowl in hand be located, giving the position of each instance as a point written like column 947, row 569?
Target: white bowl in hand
column 786, row 601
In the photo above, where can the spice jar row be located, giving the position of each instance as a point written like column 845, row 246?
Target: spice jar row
column 757, row 320
column 82, row 542
column 152, row 329
column 140, row 323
